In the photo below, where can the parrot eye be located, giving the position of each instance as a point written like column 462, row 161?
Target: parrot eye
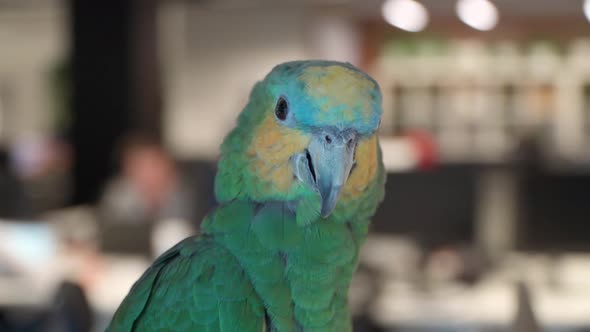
column 282, row 109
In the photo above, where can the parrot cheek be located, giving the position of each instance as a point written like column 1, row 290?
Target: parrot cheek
column 365, row 169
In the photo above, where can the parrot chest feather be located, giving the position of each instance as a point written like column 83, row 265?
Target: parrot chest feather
column 301, row 273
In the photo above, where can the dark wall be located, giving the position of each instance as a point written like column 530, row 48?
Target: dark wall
column 438, row 207
column 435, row 207
column 115, row 85
column 555, row 212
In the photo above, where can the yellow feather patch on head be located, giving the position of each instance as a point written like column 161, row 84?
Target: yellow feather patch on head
column 365, row 170
column 349, row 91
column 270, row 151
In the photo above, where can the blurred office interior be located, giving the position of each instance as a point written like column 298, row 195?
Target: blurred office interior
column 112, row 112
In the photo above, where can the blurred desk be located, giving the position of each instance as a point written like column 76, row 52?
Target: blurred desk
column 106, row 281
column 559, row 289
column 27, row 268
column 34, row 263
column 489, row 306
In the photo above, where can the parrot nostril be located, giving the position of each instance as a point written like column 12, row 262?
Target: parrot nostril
column 328, row 139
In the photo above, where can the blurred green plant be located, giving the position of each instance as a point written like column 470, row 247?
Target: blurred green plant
column 60, row 86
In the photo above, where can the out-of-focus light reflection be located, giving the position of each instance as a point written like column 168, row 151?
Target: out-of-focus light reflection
column 407, row 15
column 478, row 14
column 587, row 9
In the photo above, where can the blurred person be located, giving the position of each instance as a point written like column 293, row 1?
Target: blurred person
column 69, row 312
column 148, row 192
column 525, row 319
column 14, row 203
column 43, row 165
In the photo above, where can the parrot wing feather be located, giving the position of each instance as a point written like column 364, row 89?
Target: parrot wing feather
column 196, row 283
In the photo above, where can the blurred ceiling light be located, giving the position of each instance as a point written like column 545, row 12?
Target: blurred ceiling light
column 478, row 14
column 408, row 15
column 587, row 9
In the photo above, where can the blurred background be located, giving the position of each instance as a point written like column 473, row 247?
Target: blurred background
column 111, row 114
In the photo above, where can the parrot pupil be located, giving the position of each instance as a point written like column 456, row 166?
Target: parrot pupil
column 281, row 109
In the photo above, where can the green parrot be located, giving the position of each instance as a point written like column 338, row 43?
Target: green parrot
column 298, row 179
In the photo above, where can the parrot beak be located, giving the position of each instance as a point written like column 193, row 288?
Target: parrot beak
column 326, row 164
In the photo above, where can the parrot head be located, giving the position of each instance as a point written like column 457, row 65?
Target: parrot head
column 308, row 130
